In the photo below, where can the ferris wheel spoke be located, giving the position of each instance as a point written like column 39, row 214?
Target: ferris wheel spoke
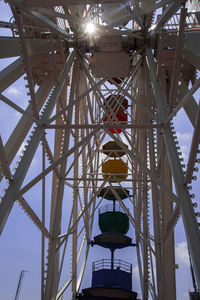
column 177, row 59
column 190, row 106
column 177, row 173
column 193, row 150
column 17, row 108
column 185, row 99
column 167, row 14
column 11, row 73
column 16, row 139
column 9, row 198
column 4, row 161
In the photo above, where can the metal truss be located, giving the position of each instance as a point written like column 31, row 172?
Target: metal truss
column 63, row 124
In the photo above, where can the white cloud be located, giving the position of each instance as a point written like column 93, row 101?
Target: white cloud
column 185, row 152
column 184, row 138
column 181, row 252
column 184, row 142
column 14, row 91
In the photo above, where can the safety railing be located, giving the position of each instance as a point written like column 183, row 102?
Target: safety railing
column 118, row 264
column 110, row 207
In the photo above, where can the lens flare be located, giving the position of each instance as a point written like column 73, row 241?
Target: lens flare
column 90, row 28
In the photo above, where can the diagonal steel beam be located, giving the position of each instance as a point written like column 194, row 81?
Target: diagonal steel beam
column 21, row 200
column 24, row 48
column 131, row 97
column 177, row 59
column 193, row 149
column 185, row 99
column 56, row 163
column 4, row 161
column 95, row 86
column 15, row 141
column 188, row 215
column 19, row 109
column 190, row 107
column 137, row 13
column 48, row 3
column 18, row 178
column 42, row 19
column 11, row 73
column 34, row 217
column 10, row 47
column 166, row 16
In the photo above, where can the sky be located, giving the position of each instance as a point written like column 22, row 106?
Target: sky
column 20, row 242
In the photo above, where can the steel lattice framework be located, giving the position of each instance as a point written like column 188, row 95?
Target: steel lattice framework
column 56, row 56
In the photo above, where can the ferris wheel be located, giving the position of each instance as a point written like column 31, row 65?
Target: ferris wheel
column 105, row 83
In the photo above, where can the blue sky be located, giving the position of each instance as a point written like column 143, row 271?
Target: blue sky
column 20, row 243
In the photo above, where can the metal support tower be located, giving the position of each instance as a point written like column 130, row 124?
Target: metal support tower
column 147, row 52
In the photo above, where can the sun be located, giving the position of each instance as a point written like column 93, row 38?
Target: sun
column 90, row 28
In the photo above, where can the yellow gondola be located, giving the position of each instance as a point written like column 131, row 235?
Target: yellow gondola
column 115, row 170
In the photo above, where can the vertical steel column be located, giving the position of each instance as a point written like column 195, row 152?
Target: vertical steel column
column 155, row 197
column 145, row 224
column 75, row 192
column 156, row 219
column 84, row 119
column 43, row 222
column 189, row 218
column 168, row 251
column 142, row 147
column 137, row 190
column 53, row 259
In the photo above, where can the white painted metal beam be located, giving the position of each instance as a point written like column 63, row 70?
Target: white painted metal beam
column 16, row 139
column 188, row 215
column 166, row 15
column 10, row 46
column 18, row 178
column 11, row 73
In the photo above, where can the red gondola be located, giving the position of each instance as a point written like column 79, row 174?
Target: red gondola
column 116, row 102
column 121, row 116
